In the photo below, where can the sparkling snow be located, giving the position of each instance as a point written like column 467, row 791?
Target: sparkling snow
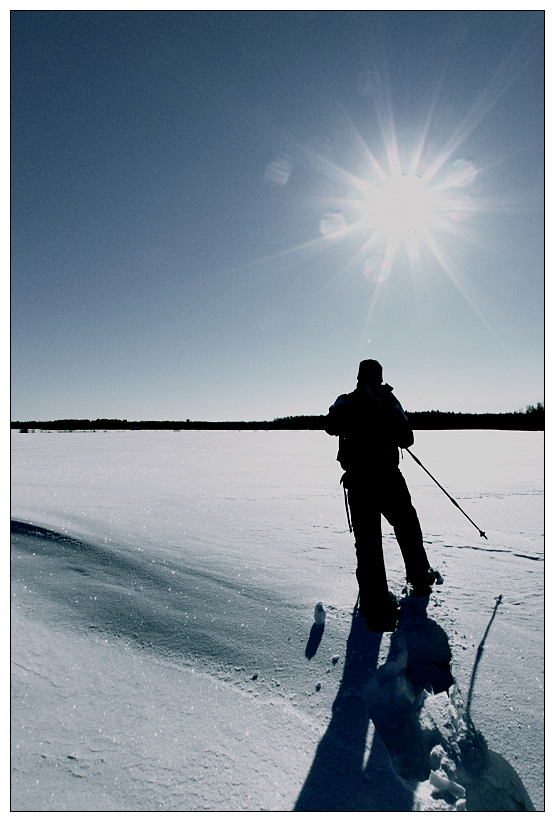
column 165, row 653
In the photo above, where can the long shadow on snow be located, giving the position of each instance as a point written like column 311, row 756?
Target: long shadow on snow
column 165, row 604
column 338, row 779
column 406, row 747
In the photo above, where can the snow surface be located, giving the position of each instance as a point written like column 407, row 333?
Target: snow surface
column 165, row 655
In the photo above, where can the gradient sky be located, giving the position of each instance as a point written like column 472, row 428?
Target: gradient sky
column 205, row 206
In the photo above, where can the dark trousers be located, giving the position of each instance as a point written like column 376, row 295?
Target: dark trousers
column 369, row 498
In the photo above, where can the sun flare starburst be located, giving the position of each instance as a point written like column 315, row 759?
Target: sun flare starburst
column 404, row 208
column 412, row 208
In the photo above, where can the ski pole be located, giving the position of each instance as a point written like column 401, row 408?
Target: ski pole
column 454, row 501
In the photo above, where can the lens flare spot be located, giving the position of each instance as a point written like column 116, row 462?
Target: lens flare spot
column 278, row 170
column 377, row 269
column 332, row 224
column 462, row 173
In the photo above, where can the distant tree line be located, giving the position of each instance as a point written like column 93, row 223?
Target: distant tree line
column 532, row 419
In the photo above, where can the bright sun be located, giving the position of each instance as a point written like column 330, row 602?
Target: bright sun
column 402, row 207
column 409, row 203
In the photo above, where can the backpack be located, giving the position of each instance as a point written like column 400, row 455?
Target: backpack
column 371, row 426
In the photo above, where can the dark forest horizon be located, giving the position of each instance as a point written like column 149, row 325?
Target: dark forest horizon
column 530, row 419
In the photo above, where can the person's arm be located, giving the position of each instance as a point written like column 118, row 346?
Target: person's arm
column 402, row 431
column 337, row 420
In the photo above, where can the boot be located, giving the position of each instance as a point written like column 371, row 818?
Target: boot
column 421, row 586
column 382, row 614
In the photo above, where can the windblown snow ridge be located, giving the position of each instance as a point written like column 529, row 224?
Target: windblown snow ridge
column 174, row 607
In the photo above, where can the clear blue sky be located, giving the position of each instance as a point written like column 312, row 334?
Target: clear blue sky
column 213, row 218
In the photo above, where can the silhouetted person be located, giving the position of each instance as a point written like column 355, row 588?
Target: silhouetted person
column 372, row 426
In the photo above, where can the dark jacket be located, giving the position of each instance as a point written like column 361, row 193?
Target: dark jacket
column 371, row 426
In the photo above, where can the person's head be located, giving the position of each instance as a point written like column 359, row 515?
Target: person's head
column 370, row 374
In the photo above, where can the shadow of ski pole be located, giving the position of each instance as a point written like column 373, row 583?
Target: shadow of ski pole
column 479, row 653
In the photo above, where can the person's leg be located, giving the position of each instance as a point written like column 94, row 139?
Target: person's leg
column 367, row 529
column 399, row 511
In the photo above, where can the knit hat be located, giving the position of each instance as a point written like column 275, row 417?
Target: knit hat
column 370, row 372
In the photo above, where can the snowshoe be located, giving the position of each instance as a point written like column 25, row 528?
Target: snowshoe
column 422, row 586
column 380, row 615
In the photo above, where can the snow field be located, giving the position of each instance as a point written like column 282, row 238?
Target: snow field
column 162, row 647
